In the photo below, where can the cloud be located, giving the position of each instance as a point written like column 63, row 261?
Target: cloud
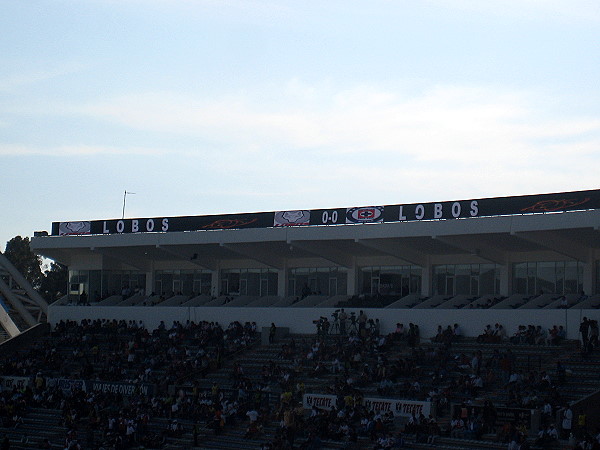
column 272, row 11
column 301, row 140
column 261, row 12
column 538, row 10
column 11, row 82
column 74, row 150
column 443, row 123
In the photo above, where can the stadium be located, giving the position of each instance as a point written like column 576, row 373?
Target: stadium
column 475, row 260
column 355, row 327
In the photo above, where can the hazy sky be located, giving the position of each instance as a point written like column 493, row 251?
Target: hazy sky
column 217, row 106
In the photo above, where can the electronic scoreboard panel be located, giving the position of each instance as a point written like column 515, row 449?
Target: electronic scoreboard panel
column 485, row 207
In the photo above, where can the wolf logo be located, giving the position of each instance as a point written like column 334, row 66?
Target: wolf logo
column 81, row 227
column 290, row 218
column 293, row 216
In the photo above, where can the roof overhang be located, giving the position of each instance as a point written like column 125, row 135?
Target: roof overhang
column 568, row 234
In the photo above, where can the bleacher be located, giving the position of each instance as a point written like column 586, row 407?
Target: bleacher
column 41, row 422
column 198, row 300
column 309, row 301
column 410, row 301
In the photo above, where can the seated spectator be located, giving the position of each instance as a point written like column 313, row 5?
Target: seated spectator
column 457, row 428
column 563, row 303
column 457, row 331
column 552, row 338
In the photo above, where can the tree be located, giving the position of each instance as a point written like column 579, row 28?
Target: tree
column 25, row 261
column 54, row 282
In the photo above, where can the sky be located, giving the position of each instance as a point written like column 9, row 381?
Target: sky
column 224, row 106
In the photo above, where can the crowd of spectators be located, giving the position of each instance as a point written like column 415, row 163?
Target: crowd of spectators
column 126, row 352
column 360, row 362
column 357, row 361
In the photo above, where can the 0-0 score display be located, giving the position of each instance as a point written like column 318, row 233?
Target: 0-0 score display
column 328, row 216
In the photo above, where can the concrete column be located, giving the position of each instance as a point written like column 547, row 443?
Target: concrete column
column 215, row 281
column 426, row 280
column 588, row 277
column 352, row 282
column 505, row 280
column 149, row 288
column 282, row 282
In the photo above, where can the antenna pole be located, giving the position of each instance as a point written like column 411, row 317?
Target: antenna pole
column 124, row 198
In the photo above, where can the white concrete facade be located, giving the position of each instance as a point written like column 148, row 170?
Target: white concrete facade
column 501, row 240
column 349, row 251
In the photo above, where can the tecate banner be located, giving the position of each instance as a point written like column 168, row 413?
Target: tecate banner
column 400, row 408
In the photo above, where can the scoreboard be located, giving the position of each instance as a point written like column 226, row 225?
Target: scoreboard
column 528, row 204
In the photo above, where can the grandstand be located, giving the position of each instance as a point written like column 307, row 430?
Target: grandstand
column 81, row 377
column 475, row 260
column 161, row 328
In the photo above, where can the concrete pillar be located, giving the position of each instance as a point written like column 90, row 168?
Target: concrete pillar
column 426, row 280
column 352, row 282
column 282, row 282
column 149, row 288
column 588, row 277
column 505, row 280
column 215, row 282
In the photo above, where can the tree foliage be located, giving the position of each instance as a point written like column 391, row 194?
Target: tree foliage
column 25, row 261
column 50, row 283
column 55, row 282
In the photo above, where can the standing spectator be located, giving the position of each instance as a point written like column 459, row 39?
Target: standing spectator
column 272, row 332
column 593, row 334
column 342, row 318
column 584, row 329
column 362, row 323
column 412, row 335
column 195, row 433
column 457, row 331
column 567, row 422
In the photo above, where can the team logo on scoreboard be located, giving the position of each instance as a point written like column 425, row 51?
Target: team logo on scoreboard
column 291, row 218
column 67, row 228
column 365, row 214
column 552, row 205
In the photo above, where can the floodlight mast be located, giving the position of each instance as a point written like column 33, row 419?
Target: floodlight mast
column 124, row 198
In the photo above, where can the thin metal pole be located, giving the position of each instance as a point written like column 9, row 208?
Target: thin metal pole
column 124, row 197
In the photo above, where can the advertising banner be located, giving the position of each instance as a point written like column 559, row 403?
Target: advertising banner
column 115, row 387
column 66, row 384
column 8, row 383
column 365, row 214
column 291, row 218
column 321, row 401
column 513, row 415
column 70, row 228
column 400, row 408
